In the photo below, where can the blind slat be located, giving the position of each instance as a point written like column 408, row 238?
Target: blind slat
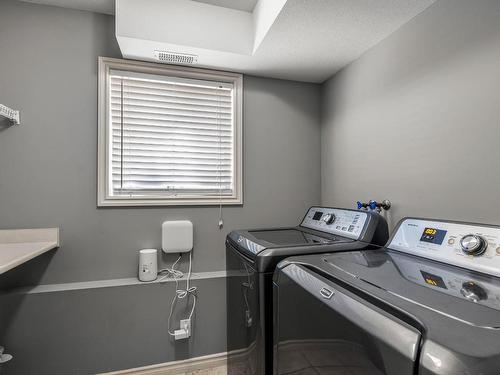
column 160, row 107
column 151, row 86
column 156, row 131
column 118, row 150
column 160, row 94
column 150, row 122
column 170, row 188
column 180, row 159
column 172, row 179
column 171, row 116
column 160, row 173
column 173, row 139
column 176, row 168
column 171, row 145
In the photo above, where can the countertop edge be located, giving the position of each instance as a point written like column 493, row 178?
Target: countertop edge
column 37, row 242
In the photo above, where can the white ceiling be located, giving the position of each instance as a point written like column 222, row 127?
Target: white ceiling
column 305, row 40
column 244, row 5
column 312, row 40
column 98, row 6
column 108, row 6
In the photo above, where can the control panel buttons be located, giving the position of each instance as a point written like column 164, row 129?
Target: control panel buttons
column 346, row 223
column 328, row 218
column 473, row 292
column 472, row 244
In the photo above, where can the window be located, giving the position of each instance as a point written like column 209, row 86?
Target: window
column 168, row 135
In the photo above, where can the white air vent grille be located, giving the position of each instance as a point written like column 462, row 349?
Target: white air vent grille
column 176, row 58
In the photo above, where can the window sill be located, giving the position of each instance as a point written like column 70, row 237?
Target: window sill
column 169, row 202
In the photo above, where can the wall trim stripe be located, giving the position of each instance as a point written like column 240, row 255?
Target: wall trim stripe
column 51, row 288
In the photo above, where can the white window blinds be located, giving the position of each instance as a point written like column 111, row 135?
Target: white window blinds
column 170, row 136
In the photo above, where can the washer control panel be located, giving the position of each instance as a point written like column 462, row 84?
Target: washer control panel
column 465, row 245
column 346, row 223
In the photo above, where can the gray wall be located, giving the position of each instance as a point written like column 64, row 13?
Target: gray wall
column 48, row 69
column 416, row 119
column 94, row 330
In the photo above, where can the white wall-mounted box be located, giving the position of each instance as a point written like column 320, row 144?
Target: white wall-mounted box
column 177, row 236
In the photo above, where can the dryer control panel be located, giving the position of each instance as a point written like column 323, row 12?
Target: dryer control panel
column 346, row 223
column 471, row 246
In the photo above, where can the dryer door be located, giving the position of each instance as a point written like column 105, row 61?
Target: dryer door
column 325, row 329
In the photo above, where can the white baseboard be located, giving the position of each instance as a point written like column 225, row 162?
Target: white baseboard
column 213, row 364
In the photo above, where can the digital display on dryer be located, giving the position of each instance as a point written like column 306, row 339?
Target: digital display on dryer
column 433, row 235
column 317, row 215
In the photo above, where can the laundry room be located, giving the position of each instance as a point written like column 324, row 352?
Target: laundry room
column 258, row 187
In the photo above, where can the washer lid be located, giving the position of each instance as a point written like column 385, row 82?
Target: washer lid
column 451, row 292
column 290, row 237
column 253, row 242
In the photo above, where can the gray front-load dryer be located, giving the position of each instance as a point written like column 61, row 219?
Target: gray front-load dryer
column 427, row 304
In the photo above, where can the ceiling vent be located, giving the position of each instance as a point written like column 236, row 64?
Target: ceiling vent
column 175, row 58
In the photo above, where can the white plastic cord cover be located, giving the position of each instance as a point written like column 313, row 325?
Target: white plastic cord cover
column 173, row 273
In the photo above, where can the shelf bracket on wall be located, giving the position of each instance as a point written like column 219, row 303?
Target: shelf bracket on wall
column 10, row 114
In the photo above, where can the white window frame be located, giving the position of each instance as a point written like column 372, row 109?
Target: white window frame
column 103, row 197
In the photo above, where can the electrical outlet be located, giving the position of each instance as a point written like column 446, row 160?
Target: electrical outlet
column 184, row 331
column 186, row 325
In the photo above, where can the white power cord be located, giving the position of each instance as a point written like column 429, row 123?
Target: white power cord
column 173, row 273
column 221, row 218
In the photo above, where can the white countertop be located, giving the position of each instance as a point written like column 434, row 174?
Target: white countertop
column 17, row 246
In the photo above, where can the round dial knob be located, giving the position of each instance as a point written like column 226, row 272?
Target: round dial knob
column 472, row 244
column 473, row 292
column 328, row 218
